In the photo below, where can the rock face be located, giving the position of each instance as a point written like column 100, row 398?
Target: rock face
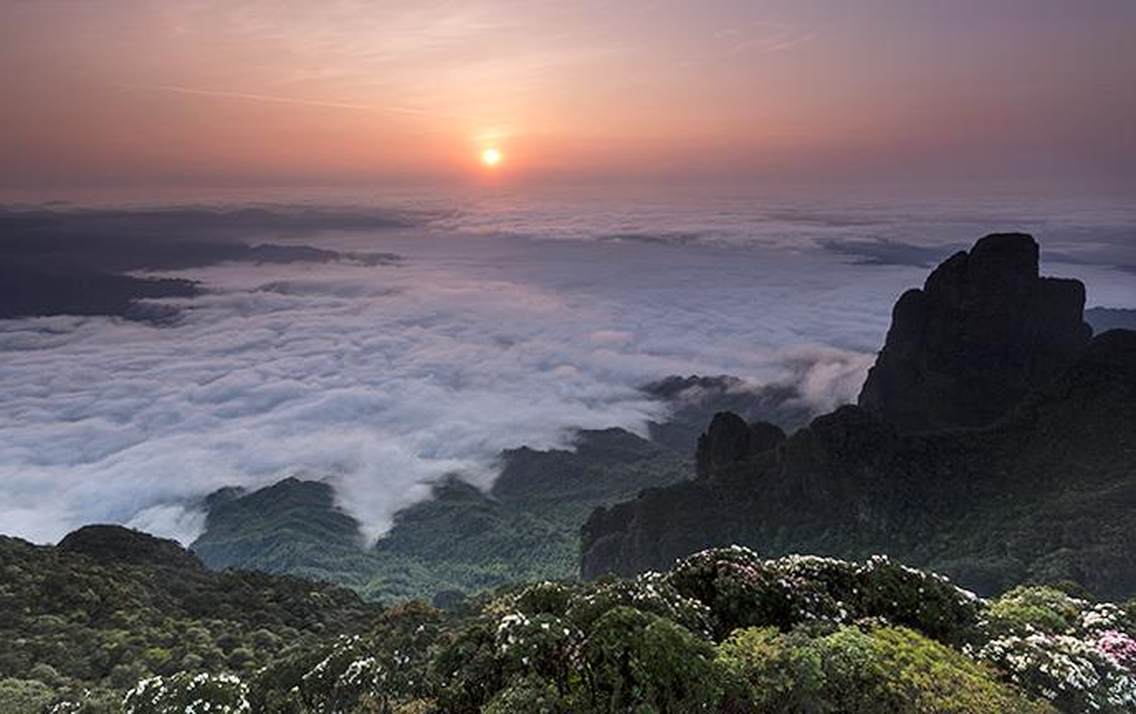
column 1047, row 494
column 1039, row 485
column 729, row 440
column 984, row 330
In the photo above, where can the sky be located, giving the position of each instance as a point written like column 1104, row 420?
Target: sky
column 212, row 93
column 643, row 220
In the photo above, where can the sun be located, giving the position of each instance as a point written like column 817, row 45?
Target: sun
column 491, row 157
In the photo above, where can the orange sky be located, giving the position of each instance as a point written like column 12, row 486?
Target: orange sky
column 123, row 93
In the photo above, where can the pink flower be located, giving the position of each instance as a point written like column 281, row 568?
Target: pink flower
column 1118, row 647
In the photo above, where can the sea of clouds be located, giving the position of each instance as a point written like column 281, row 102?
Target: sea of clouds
column 509, row 320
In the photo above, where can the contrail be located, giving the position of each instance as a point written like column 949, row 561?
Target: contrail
column 277, row 100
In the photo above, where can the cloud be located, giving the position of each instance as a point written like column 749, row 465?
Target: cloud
column 494, row 330
column 882, row 251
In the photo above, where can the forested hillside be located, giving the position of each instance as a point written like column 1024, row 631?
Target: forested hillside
column 461, row 541
column 118, row 621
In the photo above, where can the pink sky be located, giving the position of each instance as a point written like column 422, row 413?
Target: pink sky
column 246, row 93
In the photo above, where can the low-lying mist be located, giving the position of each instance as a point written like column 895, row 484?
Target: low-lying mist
column 385, row 375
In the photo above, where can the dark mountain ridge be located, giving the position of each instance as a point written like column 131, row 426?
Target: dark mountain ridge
column 1045, row 491
column 983, row 331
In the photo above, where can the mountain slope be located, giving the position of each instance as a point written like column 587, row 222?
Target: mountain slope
column 462, row 539
column 109, row 606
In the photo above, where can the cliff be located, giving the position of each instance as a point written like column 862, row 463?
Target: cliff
column 1039, row 485
column 984, row 330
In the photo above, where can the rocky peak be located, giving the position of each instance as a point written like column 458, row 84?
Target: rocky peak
column 730, row 440
column 984, row 330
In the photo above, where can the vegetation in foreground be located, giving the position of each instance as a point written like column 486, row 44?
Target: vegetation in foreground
column 723, row 631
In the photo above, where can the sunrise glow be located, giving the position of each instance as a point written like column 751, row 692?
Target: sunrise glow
column 491, row 157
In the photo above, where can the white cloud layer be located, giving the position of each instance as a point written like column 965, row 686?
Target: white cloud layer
column 387, row 377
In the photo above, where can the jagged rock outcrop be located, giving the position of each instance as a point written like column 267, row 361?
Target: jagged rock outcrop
column 1047, row 494
column 124, row 545
column 730, row 440
column 984, row 330
column 695, row 399
column 1041, row 486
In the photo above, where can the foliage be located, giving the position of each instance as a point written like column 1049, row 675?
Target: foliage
column 184, row 692
column 918, row 599
column 1076, row 653
column 639, row 661
column 650, row 592
column 25, row 696
column 89, row 627
column 869, row 670
column 724, row 631
column 462, row 540
column 741, row 590
column 1033, row 609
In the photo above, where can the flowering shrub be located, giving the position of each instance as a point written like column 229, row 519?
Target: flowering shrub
column 468, row 669
column 926, row 602
column 546, row 597
column 1103, row 616
column 1070, row 672
column 372, row 672
column 741, row 590
column 840, row 578
column 544, row 645
column 185, row 693
column 724, row 631
column 650, row 592
column 1120, row 648
column 346, row 676
column 1077, row 654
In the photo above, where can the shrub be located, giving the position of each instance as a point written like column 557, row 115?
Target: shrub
column 742, row 590
column 531, row 695
column 1074, row 674
column 875, row 671
column 637, row 661
column 926, row 602
column 544, row 645
column 1032, row 609
column 468, row 670
column 24, row 696
column 346, row 677
column 650, row 592
column 766, row 671
column 546, row 597
column 183, row 692
column 1120, row 648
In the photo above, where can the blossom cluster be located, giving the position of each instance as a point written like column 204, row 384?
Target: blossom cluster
column 1066, row 670
column 189, row 693
column 1077, row 654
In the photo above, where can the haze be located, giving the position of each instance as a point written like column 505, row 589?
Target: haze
column 218, row 93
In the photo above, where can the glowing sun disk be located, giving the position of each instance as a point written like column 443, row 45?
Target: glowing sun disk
column 491, row 157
